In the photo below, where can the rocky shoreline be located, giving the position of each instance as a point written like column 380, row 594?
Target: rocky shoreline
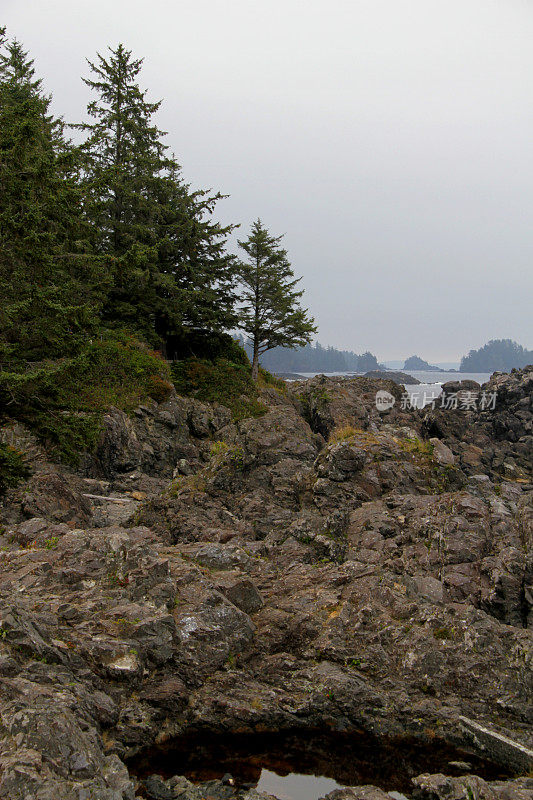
column 402, row 378
column 324, row 567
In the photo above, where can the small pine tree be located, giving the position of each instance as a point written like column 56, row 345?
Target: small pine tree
column 271, row 315
column 47, row 274
column 168, row 261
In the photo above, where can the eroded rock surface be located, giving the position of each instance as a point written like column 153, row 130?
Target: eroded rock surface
column 325, row 565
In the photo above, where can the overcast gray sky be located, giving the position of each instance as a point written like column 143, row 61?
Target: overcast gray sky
column 390, row 140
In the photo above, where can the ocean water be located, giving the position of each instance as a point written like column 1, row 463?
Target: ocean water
column 444, row 377
column 431, row 384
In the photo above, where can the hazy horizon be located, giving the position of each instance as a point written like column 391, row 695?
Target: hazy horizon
column 390, row 142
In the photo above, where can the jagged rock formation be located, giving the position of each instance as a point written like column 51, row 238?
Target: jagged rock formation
column 322, row 566
column 398, row 377
column 498, row 441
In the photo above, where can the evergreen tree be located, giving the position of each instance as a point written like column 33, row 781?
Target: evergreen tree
column 271, row 315
column 168, row 259
column 47, row 276
column 192, row 255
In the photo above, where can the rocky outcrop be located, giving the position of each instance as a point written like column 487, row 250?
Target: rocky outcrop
column 440, row 787
column 324, row 566
column 156, row 437
column 489, row 428
column 328, row 403
column 401, row 378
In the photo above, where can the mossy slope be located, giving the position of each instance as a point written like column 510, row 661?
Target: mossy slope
column 62, row 402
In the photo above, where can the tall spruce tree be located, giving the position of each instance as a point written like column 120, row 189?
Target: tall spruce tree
column 48, row 299
column 271, row 315
column 169, row 266
column 192, row 257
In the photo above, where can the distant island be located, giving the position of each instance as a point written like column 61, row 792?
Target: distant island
column 498, row 355
column 314, row 358
column 417, row 363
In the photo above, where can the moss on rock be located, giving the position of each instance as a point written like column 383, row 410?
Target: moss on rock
column 219, row 381
column 62, row 402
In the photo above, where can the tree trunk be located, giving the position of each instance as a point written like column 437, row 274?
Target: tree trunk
column 255, row 362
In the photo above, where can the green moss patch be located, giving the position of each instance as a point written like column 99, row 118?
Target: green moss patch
column 117, row 371
column 62, row 402
column 266, row 379
column 219, row 381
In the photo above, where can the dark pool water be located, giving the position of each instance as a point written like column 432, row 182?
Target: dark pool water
column 302, row 766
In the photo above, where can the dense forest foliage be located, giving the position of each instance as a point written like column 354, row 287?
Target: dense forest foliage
column 499, row 355
column 105, row 236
